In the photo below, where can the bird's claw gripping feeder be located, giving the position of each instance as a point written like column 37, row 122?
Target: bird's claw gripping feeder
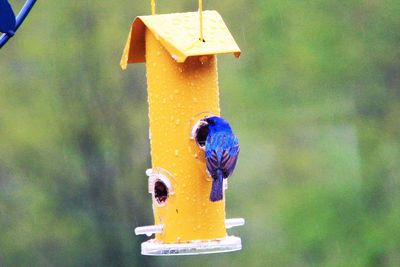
column 180, row 54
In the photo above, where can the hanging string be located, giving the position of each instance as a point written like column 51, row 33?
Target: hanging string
column 201, row 20
column 153, row 7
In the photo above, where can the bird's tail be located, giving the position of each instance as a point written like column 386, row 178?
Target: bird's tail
column 217, row 187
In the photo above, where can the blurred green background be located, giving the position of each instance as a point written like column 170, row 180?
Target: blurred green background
column 314, row 100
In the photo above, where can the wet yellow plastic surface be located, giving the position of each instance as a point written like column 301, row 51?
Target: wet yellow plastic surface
column 179, row 33
column 177, row 92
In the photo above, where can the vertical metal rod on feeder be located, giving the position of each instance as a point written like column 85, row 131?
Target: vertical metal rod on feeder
column 201, row 19
column 153, row 7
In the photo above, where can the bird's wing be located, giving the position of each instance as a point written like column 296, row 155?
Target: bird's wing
column 211, row 161
column 229, row 159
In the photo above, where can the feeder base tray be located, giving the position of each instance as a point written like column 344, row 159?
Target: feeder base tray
column 156, row 248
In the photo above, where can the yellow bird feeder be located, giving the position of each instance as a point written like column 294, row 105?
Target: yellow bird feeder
column 182, row 81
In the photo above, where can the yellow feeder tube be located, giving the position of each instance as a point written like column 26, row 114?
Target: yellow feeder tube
column 177, row 92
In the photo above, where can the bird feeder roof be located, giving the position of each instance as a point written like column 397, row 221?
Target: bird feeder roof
column 179, row 34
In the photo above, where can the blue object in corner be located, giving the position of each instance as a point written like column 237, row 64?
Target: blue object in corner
column 7, row 18
column 9, row 25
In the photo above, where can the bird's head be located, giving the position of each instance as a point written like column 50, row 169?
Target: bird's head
column 217, row 124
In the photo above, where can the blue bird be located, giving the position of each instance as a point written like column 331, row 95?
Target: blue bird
column 222, row 150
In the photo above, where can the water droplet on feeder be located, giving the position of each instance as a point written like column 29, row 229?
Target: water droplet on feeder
column 203, row 59
column 177, row 152
column 196, row 156
column 177, row 122
column 180, row 69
